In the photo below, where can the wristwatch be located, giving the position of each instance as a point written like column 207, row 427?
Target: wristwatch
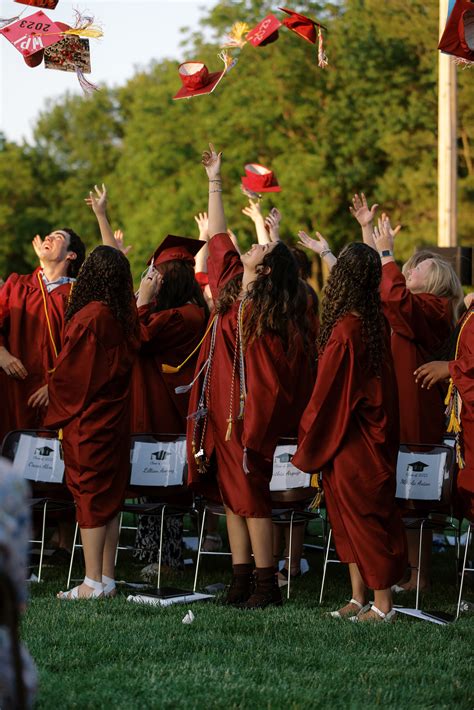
column 386, row 252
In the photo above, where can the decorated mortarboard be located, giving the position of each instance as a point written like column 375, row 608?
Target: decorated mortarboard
column 71, row 54
column 265, row 32
column 43, row 4
column 32, row 34
column 174, row 248
column 305, row 27
column 259, row 179
column 458, row 36
column 196, row 79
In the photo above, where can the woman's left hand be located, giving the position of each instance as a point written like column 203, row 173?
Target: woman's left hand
column 431, row 373
column 149, row 288
column 212, row 162
column 384, row 235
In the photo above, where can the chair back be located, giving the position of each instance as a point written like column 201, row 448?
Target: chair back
column 158, row 465
column 289, row 485
column 425, row 477
column 37, row 455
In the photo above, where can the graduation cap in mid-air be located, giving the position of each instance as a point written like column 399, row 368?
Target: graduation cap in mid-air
column 265, row 32
column 259, row 179
column 458, row 36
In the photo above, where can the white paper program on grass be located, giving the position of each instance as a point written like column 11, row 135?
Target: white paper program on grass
column 156, row 601
column 422, row 615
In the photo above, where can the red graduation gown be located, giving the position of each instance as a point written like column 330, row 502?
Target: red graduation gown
column 350, row 431
column 167, row 337
column 278, row 388
column 462, row 372
column 24, row 332
column 89, row 396
column 420, row 324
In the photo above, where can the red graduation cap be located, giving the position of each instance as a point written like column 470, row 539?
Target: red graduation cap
column 303, row 26
column 265, row 32
column 44, row 4
column 458, row 36
column 260, row 179
column 32, row 34
column 174, row 248
column 197, row 80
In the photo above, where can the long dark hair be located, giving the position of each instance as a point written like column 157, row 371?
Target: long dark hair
column 353, row 286
column 179, row 286
column 275, row 297
column 105, row 276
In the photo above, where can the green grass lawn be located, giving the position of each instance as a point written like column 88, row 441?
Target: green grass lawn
column 119, row 655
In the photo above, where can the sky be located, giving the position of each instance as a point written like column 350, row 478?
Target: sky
column 135, row 32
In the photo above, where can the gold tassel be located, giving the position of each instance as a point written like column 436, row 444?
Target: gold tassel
column 235, row 38
column 170, row 369
column 228, row 433
column 450, row 391
column 94, row 32
column 322, row 56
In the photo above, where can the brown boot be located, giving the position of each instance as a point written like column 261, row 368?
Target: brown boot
column 267, row 592
column 241, row 586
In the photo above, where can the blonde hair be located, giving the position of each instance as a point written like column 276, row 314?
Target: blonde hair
column 441, row 281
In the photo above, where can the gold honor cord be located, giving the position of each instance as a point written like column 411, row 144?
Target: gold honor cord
column 170, row 369
column 452, row 400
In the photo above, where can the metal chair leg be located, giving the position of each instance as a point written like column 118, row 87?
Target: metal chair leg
column 466, row 550
column 418, row 573
column 118, row 539
column 326, row 556
column 73, row 551
column 43, row 531
column 198, row 559
column 290, row 543
column 160, row 551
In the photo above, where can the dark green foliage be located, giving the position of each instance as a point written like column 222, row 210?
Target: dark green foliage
column 367, row 123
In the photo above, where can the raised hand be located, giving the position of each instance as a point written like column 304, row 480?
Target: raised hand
column 431, row 373
column 149, row 287
column 318, row 245
column 98, row 202
column 384, row 235
column 40, row 398
column 212, row 162
column 119, row 240
column 272, row 223
column 469, row 300
column 254, row 211
column 37, row 244
column 361, row 211
column 202, row 222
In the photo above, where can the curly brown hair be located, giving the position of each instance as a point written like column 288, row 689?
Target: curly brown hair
column 105, row 276
column 353, row 287
column 275, row 296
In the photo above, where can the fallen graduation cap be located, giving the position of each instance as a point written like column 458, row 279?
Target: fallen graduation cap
column 156, row 600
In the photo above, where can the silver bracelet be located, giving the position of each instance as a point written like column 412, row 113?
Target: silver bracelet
column 217, row 190
column 325, row 252
column 216, row 180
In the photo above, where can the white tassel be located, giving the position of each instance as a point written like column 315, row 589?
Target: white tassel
column 4, row 21
column 245, row 462
column 87, row 86
column 182, row 389
column 322, row 56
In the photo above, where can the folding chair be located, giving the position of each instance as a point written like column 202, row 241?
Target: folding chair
column 465, row 569
column 158, row 470
column 429, row 469
column 291, row 494
column 36, row 464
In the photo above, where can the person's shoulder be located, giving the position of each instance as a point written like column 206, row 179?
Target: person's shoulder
column 95, row 316
column 348, row 329
column 26, row 280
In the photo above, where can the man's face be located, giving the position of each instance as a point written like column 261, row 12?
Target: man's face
column 55, row 246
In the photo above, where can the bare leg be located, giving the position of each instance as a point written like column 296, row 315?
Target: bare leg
column 296, row 547
column 65, row 534
column 261, row 537
column 110, row 548
column 383, row 599
column 359, row 593
column 93, row 541
column 238, row 538
column 413, row 539
column 277, row 543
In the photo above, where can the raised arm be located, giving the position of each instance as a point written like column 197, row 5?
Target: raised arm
column 212, row 163
column 319, row 245
column 98, row 204
column 365, row 216
column 202, row 222
column 254, row 211
column 272, row 223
